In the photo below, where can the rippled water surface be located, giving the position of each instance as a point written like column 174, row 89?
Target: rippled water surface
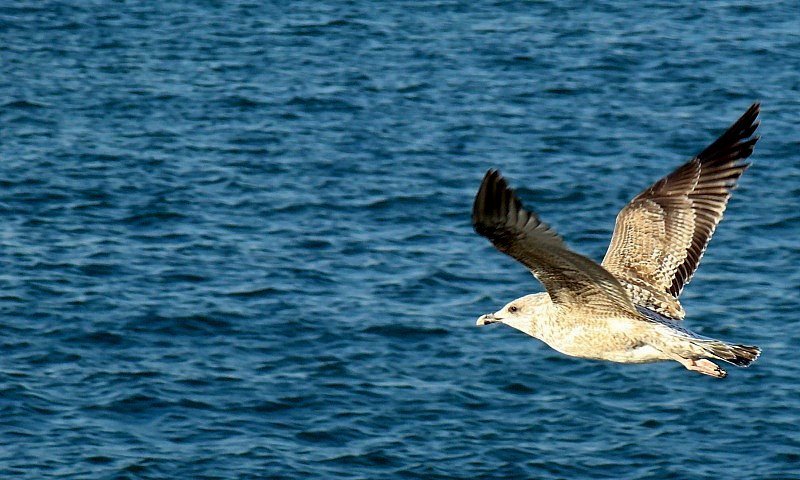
column 235, row 237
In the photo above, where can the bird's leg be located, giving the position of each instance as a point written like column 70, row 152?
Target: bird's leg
column 706, row 367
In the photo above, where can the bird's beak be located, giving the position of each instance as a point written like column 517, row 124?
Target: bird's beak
column 487, row 319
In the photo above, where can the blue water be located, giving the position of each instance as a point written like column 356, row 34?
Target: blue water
column 235, row 237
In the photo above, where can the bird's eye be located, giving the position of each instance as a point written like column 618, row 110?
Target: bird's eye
column 513, row 309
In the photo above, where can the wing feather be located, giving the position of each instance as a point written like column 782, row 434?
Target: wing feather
column 571, row 280
column 661, row 235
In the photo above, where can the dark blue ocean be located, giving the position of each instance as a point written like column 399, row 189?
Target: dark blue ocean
column 236, row 240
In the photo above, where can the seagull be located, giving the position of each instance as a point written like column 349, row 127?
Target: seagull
column 625, row 309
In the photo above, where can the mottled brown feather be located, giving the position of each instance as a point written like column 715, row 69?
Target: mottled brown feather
column 572, row 280
column 661, row 235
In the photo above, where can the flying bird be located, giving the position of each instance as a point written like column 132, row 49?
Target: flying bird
column 625, row 309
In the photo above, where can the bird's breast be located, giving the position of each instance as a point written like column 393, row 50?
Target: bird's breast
column 598, row 338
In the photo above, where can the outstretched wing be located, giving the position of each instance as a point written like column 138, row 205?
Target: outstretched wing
column 571, row 280
column 661, row 235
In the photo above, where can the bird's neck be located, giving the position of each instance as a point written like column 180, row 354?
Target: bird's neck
column 523, row 324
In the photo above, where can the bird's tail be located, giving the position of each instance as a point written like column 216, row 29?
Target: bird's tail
column 739, row 355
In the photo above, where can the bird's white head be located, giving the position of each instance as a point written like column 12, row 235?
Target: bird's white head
column 521, row 313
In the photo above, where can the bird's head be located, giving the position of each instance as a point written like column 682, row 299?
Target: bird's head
column 521, row 313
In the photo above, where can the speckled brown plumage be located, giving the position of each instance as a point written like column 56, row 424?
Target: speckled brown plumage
column 624, row 310
column 661, row 235
column 570, row 279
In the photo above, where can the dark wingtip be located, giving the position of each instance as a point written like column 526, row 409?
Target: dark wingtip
column 485, row 207
column 738, row 141
column 751, row 113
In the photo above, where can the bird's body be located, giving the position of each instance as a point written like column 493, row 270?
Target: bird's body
column 608, row 335
column 625, row 310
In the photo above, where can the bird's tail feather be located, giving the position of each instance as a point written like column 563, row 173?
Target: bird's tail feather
column 739, row 355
